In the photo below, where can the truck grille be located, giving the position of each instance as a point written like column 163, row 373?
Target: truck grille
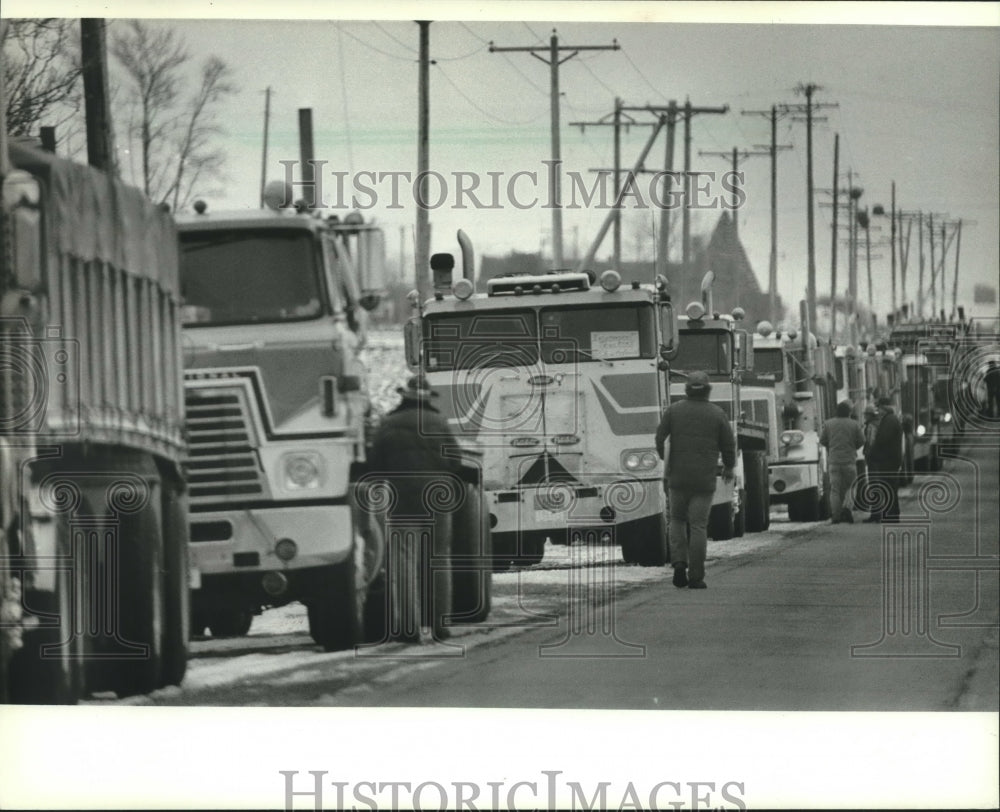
column 222, row 463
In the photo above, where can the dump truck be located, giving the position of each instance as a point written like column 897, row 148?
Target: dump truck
column 93, row 505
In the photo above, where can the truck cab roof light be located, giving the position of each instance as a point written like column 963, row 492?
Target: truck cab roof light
column 611, row 280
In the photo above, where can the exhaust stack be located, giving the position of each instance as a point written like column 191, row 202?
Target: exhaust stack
column 468, row 256
column 706, row 292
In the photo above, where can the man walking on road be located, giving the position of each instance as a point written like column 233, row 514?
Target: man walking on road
column 842, row 438
column 408, row 450
column 885, row 458
column 698, row 432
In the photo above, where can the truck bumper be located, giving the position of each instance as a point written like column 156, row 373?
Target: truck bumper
column 239, row 546
column 788, row 478
column 606, row 504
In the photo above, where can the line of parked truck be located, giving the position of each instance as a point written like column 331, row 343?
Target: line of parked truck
column 184, row 422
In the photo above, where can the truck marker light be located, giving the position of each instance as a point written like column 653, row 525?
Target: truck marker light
column 462, row 289
column 286, row 549
column 611, row 280
column 695, row 311
column 274, row 583
column 921, row 430
column 524, row 442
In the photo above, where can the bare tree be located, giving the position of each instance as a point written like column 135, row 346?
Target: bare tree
column 41, row 66
column 175, row 131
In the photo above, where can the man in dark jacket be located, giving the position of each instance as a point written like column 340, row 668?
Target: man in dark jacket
column 885, row 458
column 410, row 448
column 698, row 432
column 842, row 437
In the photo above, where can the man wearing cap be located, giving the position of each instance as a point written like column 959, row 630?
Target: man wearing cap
column 410, row 450
column 885, row 458
column 698, row 432
column 842, row 437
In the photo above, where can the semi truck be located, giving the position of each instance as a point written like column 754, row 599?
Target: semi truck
column 560, row 378
column 93, row 506
column 715, row 344
column 800, row 371
column 278, row 419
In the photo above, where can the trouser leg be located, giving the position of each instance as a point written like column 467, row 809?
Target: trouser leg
column 678, row 526
column 699, row 506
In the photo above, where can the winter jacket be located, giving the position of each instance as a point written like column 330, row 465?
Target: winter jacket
column 886, row 453
column 698, row 432
column 409, row 448
column 842, row 437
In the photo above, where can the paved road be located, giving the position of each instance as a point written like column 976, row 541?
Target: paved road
column 816, row 620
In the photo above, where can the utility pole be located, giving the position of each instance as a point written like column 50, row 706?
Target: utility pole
column 306, row 156
column 619, row 120
column 553, row 61
column 94, row 66
column 808, row 90
column 954, row 276
column 422, row 249
column 835, row 239
column 690, row 111
column 736, row 156
column 668, row 119
column 772, row 271
column 892, row 247
column 603, row 230
column 263, row 162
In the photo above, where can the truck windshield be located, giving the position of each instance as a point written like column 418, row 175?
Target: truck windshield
column 707, row 350
column 571, row 334
column 472, row 340
column 244, row 277
column 768, row 364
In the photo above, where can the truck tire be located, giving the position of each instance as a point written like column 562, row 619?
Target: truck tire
column 804, row 506
column 532, row 548
column 142, row 606
column 177, row 595
column 630, row 549
column 740, row 521
column 757, row 507
column 650, row 536
column 720, row 522
column 229, row 622
column 502, row 546
column 471, row 557
column 53, row 677
column 824, row 499
column 337, row 614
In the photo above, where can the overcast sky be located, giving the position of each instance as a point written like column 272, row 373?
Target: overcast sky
column 916, row 104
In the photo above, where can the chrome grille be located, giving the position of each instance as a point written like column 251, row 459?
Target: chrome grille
column 222, row 462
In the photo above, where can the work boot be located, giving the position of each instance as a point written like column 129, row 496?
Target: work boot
column 697, row 585
column 680, row 575
column 846, row 516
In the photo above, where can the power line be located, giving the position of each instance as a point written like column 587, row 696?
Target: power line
column 372, row 47
column 643, row 76
column 484, row 112
column 393, row 37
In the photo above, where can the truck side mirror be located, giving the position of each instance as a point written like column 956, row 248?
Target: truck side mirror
column 744, row 359
column 669, row 331
column 411, row 339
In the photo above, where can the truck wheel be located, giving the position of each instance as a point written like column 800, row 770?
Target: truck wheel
column 720, row 522
column 503, row 546
column 650, row 536
column 757, row 506
column 804, row 506
column 532, row 549
column 55, row 676
column 472, row 572
column 229, row 622
column 740, row 521
column 824, row 499
column 140, row 587
column 177, row 619
column 337, row 614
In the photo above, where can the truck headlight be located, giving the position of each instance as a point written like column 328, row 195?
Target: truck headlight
column 921, row 430
column 304, row 470
column 947, row 417
column 792, row 437
column 639, row 459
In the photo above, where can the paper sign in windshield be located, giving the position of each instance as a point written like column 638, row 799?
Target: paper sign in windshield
column 615, row 344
